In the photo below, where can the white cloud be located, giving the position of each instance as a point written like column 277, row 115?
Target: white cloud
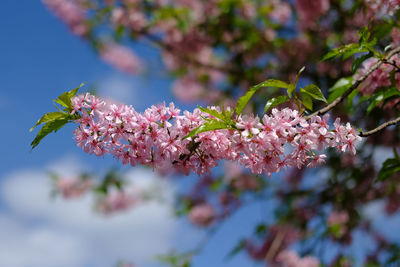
column 120, row 88
column 38, row 231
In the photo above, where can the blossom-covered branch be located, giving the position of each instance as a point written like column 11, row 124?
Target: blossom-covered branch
column 156, row 137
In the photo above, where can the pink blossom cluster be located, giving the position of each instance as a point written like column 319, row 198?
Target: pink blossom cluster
column 310, row 10
column 202, row 214
column 337, row 217
column 383, row 7
column 121, row 58
column 156, row 137
column 290, row 258
column 379, row 77
column 116, row 202
column 72, row 187
column 281, row 11
column 71, row 12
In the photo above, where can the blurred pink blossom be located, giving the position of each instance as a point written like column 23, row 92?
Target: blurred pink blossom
column 72, row 187
column 202, row 214
column 290, row 258
column 121, row 58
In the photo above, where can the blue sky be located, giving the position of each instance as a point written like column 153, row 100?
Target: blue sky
column 40, row 59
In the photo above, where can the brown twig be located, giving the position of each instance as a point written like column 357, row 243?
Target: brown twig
column 354, row 85
column 379, row 128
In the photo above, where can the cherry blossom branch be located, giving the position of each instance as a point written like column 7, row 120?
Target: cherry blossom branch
column 158, row 137
column 354, row 85
column 379, row 128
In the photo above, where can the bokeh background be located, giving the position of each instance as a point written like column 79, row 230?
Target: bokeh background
column 39, row 60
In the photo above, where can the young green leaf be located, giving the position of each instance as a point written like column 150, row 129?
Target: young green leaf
column 293, row 85
column 49, row 127
column 51, row 116
column 242, row 102
column 389, row 168
column 274, row 102
column 240, row 246
column 382, row 96
column 339, row 88
column 314, row 91
column 217, row 114
column 358, row 60
column 65, row 98
column 306, row 100
column 346, row 51
column 208, row 126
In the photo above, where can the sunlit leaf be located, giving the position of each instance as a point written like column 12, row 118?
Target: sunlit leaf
column 389, row 168
column 242, row 102
column 273, row 102
column 51, row 126
column 306, row 100
column 51, row 116
column 339, row 88
column 314, row 91
column 65, row 98
column 208, row 126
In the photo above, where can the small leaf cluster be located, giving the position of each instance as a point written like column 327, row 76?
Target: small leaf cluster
column 53, row 121
column 389, row 168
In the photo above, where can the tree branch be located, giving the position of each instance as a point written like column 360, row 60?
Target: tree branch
column 354, row 85
column 379, row 128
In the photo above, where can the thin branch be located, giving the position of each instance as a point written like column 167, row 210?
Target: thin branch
column 354, row 85
column 379, row 128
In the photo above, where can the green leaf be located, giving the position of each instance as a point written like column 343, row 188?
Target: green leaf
column 358, row 60
column 65, row 98
column 339, row 88
column 292, row 86
column 208, row 126
column 49, row 127
column 389, row 168
column 240, row 246
column 51, row 116
column 261, row 229
column 314, row 91
column 217, row 114
column 274, row 102
column 306, row 100
column 382, row 96
column 216, row 185
column 350, row 99
column 345, row 51
column 242, row 102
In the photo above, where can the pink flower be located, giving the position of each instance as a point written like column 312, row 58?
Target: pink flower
column 250, row 125
column 188, row 89
column 155, row 137
column 281, row 12
column 115, row 202
column 121, row 58
column 338, row 217
column 72, row 188
column 310, row 10
column 290, row 258
column 202, row 214
column 71, row 12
